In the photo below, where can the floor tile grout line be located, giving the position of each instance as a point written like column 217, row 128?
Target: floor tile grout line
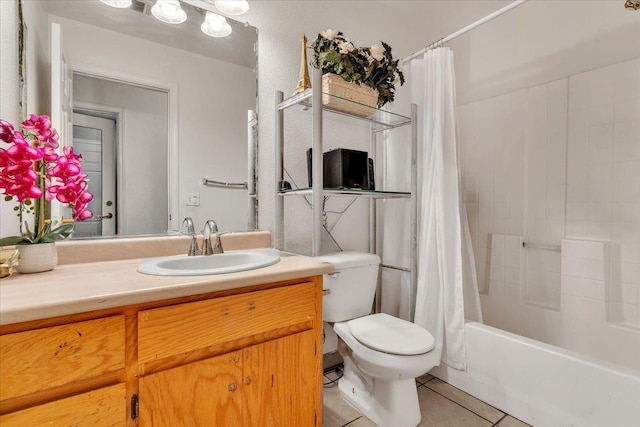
column 464, row 407
column 423, row 383
column 500, row 420
column 352, row 421
column 497, row 409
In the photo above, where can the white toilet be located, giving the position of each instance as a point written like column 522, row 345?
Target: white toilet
column 382, row 354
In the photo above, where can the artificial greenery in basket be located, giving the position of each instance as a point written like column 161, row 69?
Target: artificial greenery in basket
column 371, row 66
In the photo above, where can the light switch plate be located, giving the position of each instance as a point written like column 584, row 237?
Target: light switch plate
column 193, row 199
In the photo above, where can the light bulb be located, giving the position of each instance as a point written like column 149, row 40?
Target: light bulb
column 215, row 25
column 232, row 7
column 169, row 11
column 120, row 4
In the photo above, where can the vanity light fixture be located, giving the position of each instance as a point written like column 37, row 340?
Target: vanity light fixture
column 120, row 4
column 232, row 7
column 215, row 25
column 169, row 11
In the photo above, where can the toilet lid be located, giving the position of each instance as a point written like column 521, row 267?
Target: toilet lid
column 391, row 335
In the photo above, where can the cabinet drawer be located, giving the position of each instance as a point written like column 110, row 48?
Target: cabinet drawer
column 40, row 359
column 103, row 407
column 178, row 329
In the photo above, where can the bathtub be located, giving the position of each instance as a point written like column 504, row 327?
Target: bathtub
column 544, row 385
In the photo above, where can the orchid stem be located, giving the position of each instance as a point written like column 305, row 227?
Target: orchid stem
column 39, row 222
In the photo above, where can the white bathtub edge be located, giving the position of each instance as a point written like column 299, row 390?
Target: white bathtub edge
column 544, row 385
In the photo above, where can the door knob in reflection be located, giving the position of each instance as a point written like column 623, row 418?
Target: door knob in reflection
column 107, row 216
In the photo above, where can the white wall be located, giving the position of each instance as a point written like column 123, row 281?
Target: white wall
column 540, row 42
column 143, row 187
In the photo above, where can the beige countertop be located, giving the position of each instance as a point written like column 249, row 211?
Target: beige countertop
column 81, row 287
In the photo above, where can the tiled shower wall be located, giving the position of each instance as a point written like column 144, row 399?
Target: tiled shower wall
column 514, row 168
column 603, row 175
column 553, row 162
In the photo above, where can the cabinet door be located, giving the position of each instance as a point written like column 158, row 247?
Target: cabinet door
column 204, row 393
column 103, row 407
column 41, row 359
column 283, row 385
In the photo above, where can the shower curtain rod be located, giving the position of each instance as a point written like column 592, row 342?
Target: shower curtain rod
column 460, row 32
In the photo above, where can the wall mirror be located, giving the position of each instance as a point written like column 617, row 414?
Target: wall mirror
column 154, row 108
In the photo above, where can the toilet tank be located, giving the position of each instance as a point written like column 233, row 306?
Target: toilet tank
column 352, row 286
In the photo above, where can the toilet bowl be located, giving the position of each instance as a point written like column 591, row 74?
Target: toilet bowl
column 382, row 354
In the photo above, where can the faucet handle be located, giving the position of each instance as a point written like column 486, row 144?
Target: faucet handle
column 211, row 227
column 217, row 246
column 193, row 248
column 188, row 222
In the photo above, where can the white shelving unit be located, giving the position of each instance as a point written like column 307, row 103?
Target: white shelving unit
column 379, row 121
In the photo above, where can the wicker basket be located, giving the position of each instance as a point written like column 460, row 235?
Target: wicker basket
column 338, row 94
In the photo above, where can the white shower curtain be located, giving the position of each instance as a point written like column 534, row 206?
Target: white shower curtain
column 447, row 286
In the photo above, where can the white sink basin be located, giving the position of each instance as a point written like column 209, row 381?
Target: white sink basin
column 228, row 262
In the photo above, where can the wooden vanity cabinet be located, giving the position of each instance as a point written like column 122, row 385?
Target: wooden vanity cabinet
column 249, row 357
column 54, row 365
column 101, row 407
column 269, row 370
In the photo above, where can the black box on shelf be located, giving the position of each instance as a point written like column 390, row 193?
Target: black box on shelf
column 344, row 168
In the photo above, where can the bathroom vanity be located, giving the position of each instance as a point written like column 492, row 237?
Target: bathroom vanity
column 239, row 349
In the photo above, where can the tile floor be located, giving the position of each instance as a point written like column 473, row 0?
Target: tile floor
column 441, row 405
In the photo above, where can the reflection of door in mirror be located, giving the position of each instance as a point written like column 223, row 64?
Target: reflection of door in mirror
column 94, row 139
column 141, row 123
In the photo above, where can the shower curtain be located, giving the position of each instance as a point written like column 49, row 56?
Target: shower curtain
column 447, row 287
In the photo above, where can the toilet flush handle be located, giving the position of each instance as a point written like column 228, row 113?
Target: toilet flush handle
column 334, row 275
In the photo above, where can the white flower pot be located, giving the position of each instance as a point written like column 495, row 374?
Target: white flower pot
column 37, row 258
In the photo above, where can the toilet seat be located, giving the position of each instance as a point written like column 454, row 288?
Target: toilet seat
column 391, row 335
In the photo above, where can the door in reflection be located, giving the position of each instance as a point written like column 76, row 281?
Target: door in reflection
column 94, row 139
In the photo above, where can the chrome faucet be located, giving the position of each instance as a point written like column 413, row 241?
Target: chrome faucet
column 211, row 227
column 193, row 249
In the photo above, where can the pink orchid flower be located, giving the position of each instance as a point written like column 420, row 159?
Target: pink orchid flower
column 7, row 132
column 41, row 127
column 17, row 177
column 65, row 168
